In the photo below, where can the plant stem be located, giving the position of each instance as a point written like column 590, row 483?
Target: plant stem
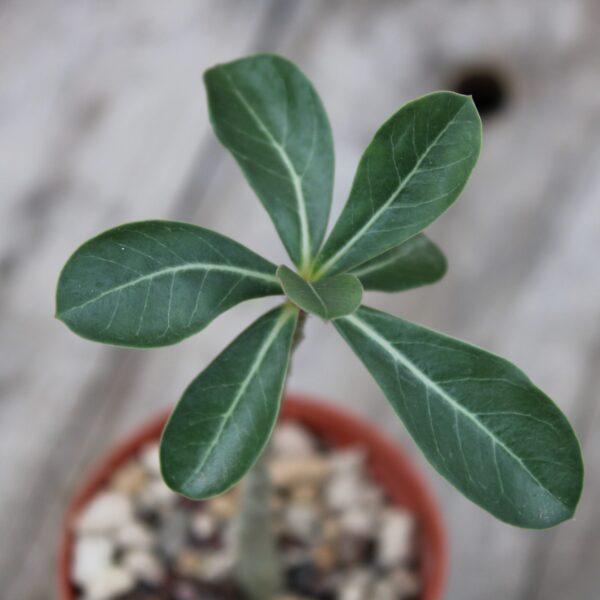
column 258, row 569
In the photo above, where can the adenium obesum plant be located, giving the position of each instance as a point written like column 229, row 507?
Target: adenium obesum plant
column 477, row 418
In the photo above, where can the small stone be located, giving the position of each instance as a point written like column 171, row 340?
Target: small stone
column 331, row 529
column 290, row 439
column 302, row 521
column 290, row 472
column 395, row 538
column 356, row 586
column 150, row 459
column 135, row 535
column 144, row 566
column 372, row 498
column 91, row 554
column 186, row 590
column 355, row 550
column 188, row 563
column 350, row 461
column 217, row 565
column 203, row 526
column 109, row 583
column 324, row 557
column 343, row 491
column 276, row 503
column 384, row 590
column 303, row 579
column 405, row 583
column 305, row 494
column 157, row 496
column 105, row 513
column 222, row 507
column 296, row 555
column 172, row 534
column 129, row 479
column 358, row 521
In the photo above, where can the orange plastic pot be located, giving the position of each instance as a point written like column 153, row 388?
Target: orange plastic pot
column 387, row 463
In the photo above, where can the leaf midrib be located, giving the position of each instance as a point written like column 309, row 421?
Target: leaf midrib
column 375, row 216
column 287, row 313
column 376, row 265
column 174, row 270
column 457, row 407
column 295, row 178
column 316, row 294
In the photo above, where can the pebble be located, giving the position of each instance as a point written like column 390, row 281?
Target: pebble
column 135, row 535
column 358, row 521
column 107, row 512
column 384, row 590
column 217, row 565
column 356, row 586
column 203, row 525
column 290, row 439
column 223, row 507
column 109, row 583
column 91, row 554
column 395, row 538
column 157, row 496
column 144, row 566
column 350, row 461
column 150, row 459
column 343, row 491
column 325, row 557
column 331, row 529
column 293, row 471
column 185, row 590
column 354, row 550
column 405, row 582
column 305, row 494
column 189, row 563
column 302, row 521
column 173, row 533
column 129, row 479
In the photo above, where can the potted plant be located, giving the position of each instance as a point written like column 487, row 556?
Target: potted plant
column 478, row 419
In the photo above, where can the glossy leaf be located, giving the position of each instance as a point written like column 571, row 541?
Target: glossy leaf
column 416, row 262
column 478, row 419
column 329, row 298
column 268, row 115
column 412, row 171
column 157, row 282
column 225, row 417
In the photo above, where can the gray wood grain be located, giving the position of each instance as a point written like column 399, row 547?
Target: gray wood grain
column 103, row 120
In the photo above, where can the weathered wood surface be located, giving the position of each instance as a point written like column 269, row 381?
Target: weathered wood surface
column 103, row 120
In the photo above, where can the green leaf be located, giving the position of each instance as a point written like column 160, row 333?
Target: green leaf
column 416, row 262
column 478, row 419
column 329, row 298
column 412, row 171
column 225, row 417
column 267, row 114
column 157, row 282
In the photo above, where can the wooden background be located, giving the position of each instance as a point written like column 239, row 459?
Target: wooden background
column 103, row 120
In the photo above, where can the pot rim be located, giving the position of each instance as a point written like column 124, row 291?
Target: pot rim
column 385, row 461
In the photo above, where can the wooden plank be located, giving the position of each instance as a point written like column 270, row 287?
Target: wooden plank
column 108, row 124
column 118, row 114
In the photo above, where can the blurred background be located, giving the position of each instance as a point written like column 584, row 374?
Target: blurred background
column 103, row 120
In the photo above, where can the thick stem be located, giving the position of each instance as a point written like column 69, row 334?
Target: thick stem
column 258, row 569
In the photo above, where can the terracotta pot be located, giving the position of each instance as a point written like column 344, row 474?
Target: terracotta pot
column 387, row 464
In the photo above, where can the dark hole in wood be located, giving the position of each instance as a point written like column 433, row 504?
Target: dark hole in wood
column 488, row 89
